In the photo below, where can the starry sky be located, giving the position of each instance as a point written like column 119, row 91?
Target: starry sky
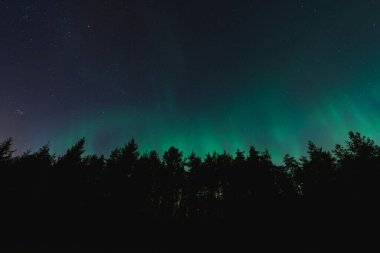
column 201, row 75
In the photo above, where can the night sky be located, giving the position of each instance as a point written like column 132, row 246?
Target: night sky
column 200, row 75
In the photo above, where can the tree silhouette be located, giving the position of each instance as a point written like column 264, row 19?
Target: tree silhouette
column 173, row 182
column 132, row 189
column 358, row 166
column 69, row 177
column 318, row 173
column 6, row 151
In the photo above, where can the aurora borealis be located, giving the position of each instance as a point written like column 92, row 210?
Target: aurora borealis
column 198, row 75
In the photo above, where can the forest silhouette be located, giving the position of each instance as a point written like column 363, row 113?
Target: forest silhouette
column 133, row 189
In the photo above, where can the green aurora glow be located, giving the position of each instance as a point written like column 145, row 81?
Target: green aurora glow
column 198, row 75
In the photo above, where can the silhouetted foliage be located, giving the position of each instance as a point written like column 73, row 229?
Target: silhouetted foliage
column 6, row 151
column 219, row 187
column 132, row 188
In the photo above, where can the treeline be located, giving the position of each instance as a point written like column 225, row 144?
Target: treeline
column 174, row 187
